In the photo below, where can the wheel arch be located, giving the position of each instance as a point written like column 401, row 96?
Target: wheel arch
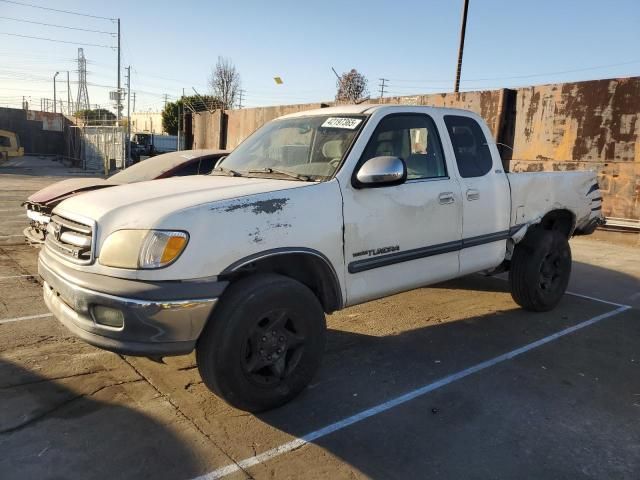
column 308, row 266
column 560, row 219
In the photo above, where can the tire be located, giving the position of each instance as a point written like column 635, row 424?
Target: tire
column 540, row 270
column 263, row 343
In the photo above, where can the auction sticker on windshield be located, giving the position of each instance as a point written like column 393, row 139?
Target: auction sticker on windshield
column 341, row 122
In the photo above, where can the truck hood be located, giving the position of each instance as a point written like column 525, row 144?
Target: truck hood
column 65, row 188
column 146, row 204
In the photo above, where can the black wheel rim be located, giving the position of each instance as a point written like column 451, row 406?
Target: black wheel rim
column 551, row 271
column 273, row 348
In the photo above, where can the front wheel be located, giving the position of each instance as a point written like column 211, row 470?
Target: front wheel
column 540, row 270
column 263, row 343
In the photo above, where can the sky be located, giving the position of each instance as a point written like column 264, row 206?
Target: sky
column 174, row 45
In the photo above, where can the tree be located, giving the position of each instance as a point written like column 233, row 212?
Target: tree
column 96, row 116
column 352, row 87
column 225, row 82
column 171, row 116
column 173, row 110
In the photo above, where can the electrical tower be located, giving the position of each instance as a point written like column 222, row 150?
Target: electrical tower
column 82, row 102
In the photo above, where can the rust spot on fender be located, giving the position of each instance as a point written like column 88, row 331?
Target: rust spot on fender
column 270, row 206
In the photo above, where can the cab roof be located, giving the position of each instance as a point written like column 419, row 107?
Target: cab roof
column 370, row 108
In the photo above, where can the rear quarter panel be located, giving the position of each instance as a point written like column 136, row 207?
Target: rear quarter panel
column 535, row 194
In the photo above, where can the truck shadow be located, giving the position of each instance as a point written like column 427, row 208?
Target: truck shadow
column 48, row 430
column 588, row 279
column 362, row 371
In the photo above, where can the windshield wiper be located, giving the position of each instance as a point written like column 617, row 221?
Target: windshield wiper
column 297, row 176
column 226, row 171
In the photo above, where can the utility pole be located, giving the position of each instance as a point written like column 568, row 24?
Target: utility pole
column 166, row 96
column 134, row 102
column 337, row 76
column 181, row 144
column 68, row 95
column 118, row 107
column 382, row 85
column 463, row 29
column 54, row 91
column 128, row 159
column 241, row 92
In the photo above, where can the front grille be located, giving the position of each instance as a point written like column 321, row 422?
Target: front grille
column 70, row 239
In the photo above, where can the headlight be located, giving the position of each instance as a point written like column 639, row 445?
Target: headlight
column 142, row 248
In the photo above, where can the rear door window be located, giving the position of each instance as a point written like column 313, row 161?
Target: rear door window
column 469, row 145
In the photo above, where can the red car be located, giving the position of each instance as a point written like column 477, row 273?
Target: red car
column 174, row 164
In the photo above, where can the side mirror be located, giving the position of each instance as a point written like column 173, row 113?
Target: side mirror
column 381, row 172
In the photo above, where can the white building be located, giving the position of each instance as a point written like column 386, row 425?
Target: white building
column 146, row 122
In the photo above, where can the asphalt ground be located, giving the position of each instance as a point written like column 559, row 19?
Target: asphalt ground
column 451, row 381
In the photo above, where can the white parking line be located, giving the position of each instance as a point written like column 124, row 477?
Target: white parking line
column 28, row 317
column 402, row 399
column 597, row 299
column 16, row 276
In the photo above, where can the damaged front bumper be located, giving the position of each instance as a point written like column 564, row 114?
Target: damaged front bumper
column 158, row 318
column 36, row 232
column 34, row 235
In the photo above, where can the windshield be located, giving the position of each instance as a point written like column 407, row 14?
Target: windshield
column 307, row 147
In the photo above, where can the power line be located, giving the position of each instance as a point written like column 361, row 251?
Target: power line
column 514, row 77
column 56, row 10
column 57, row 26
column 54, row 40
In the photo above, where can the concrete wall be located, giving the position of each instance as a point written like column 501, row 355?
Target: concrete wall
column 584, row 125
column 39, row 132
column 208, row 131
column 580, row 125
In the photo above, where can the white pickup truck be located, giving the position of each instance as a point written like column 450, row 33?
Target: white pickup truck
column 314, row 212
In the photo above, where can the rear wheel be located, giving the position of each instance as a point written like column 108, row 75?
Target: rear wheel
column 264, row 342
column 540, row 270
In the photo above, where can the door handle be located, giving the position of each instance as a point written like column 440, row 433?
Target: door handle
column 446, row 198
column 473, row 194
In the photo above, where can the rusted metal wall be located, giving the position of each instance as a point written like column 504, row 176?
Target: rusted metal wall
column 489, row 104
column 581, row 125
column 584, row 125
column 241, row 123
column 39, row 132
column 50, row 121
